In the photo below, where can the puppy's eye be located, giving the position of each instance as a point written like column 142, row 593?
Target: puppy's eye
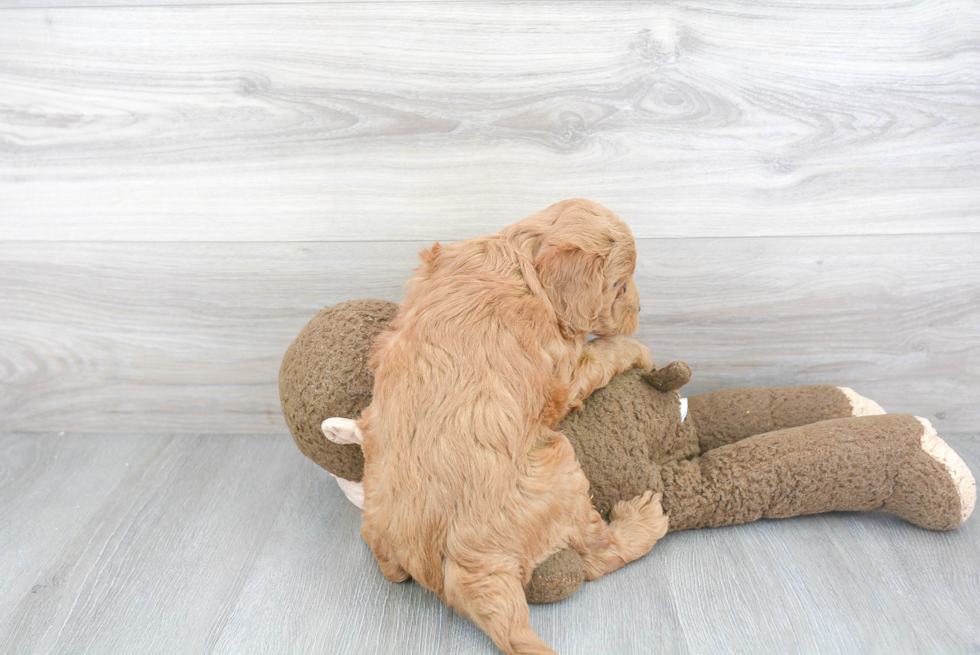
column 620, row 289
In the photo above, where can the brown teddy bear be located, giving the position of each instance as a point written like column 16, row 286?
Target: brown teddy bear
column 719, row 458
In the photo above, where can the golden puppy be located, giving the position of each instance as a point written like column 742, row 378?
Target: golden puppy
column 466, row 485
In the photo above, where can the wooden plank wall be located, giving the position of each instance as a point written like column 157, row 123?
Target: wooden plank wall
column 182, row 187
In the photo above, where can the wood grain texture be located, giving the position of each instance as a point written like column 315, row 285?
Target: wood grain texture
column 182, row 187
column 239, row 544
column 169, row 337
column 50, row 488
column 103, row 4
column 159, row 565
column 188, row 337
column 321, row 122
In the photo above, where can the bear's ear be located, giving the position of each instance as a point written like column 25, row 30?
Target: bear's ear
column 342, row 430
column 671, row 377
column 572, row 278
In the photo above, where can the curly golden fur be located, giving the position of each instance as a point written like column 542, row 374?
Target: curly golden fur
column 467, row 486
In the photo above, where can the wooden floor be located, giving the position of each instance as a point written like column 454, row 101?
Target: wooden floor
column 184, row 183
column 127, row 543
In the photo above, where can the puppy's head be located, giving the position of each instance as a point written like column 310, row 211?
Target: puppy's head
column 585, row 257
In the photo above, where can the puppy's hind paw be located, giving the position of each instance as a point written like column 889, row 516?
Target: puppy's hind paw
column 639, row 521
column 626, row 510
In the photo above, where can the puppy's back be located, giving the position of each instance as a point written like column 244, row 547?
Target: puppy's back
column 461, row 381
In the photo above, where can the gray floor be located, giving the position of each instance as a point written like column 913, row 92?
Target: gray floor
column 128, row 543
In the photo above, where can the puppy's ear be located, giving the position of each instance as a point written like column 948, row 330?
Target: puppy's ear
column 428, row 257
column 572, row 278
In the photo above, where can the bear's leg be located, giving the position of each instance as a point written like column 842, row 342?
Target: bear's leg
column 729, row 415
column 895, row 462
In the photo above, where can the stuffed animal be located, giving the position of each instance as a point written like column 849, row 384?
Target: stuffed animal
column 718, row 458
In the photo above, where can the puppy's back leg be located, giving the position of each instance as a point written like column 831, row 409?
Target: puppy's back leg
column 635, row 526
column 495, row 601
column 383, row 553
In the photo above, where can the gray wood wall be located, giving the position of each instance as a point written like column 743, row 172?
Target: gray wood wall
column 183, row 185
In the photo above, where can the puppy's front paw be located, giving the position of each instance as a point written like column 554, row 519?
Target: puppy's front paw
column 353, row 490
column 642, row 359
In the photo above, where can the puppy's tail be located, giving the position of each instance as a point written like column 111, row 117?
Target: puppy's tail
column 495, row 601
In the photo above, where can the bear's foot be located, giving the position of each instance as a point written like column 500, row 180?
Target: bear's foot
column 861, row 406
column 935, row 489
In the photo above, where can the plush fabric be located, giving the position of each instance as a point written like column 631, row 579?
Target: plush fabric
column 325, row 373
column 740, row 454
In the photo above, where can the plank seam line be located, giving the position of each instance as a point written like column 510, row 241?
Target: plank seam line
column 192, row 5
column 430, row 240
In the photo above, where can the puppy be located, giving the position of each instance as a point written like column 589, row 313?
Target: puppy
column 467, row 486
